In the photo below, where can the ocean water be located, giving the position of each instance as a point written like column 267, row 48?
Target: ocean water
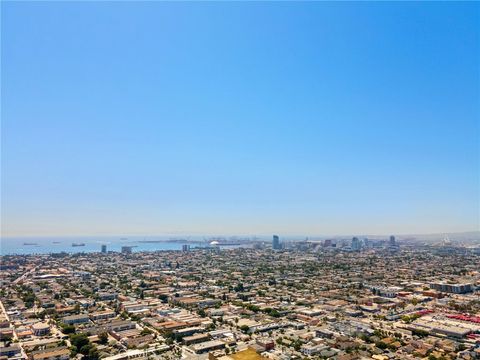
column 47, row 245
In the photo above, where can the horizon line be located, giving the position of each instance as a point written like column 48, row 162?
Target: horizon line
column 239, row 235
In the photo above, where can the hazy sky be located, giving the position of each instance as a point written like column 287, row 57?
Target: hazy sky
column 247, row 118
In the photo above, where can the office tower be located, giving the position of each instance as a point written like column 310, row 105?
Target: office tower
column 355, row 244
column 327, row 243
column 276, row 243
column 392, row 241
column 366, row 242
column 104, row 249
column 185, row 248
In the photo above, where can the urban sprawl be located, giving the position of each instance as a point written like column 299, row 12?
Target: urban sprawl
column 330, row 299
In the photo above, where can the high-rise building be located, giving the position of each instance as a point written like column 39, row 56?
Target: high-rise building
column 276, row 243
column 355, row 244
column 392, row 241
column 185, row 247
column 104, row 249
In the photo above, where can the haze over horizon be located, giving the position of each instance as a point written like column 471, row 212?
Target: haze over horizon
column 240, row 118
column 261, row 237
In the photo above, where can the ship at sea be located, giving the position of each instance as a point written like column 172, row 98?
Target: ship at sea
column 30, row 243
column 78, row 244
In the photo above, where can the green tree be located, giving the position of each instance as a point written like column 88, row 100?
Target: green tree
column 244, row 328
column 381, row 345
column 68, row 329
column 145, row 331
column 79, row 340
column 92, row 354
column 103, row 338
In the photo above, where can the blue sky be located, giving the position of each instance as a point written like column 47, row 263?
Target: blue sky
column 240, row 118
